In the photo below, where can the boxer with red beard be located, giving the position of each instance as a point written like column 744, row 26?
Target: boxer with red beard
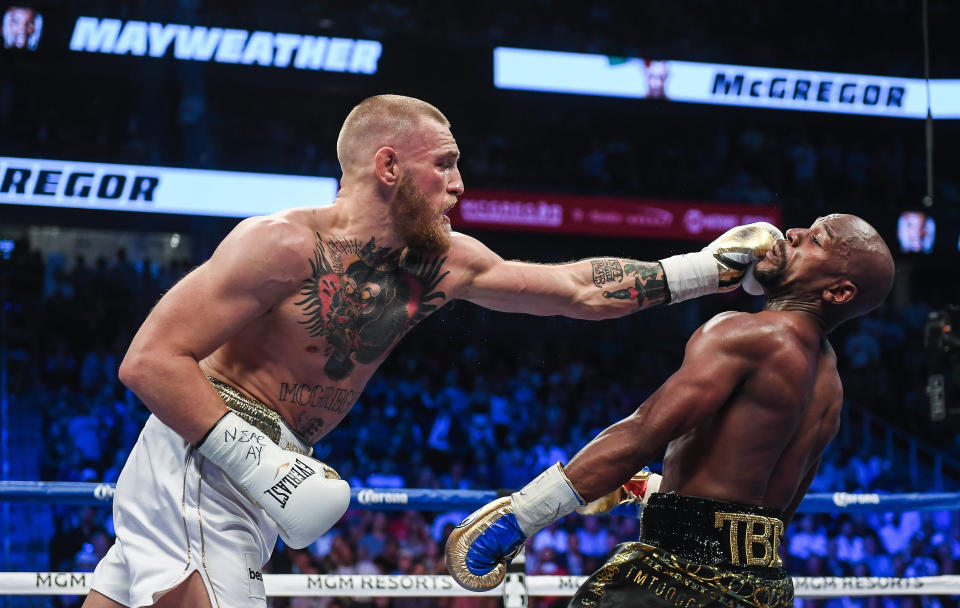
column 264, row 348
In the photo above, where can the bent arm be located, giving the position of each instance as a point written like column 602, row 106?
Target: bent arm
column 718, row 358
column 256, row 266
column 598, row 288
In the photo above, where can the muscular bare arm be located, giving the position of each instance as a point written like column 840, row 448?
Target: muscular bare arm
column 719, row 357
column 258, row 264
column 598, row 288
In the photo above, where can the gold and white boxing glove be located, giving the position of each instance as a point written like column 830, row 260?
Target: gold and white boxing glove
column 721, row 265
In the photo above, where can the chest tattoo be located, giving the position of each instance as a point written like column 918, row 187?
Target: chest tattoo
column 362, row 298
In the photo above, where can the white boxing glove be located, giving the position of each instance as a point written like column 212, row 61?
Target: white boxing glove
column 750, row 283
column 721, row 265
column 303, row 495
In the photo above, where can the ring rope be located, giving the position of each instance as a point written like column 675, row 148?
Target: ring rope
column 419, row 499
column 441, row 585
column 80, row 493
column 300, row 585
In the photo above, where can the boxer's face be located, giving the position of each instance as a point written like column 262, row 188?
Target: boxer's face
column 806, row 255
column 428, row 187
column 656, row 78
column 20, row 25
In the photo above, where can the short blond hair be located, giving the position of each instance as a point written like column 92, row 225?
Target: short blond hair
column 378, row 121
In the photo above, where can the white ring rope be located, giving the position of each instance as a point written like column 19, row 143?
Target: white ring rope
column 437, row 585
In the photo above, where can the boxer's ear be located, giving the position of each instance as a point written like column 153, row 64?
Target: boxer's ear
column 840, row 293
column 386, row 167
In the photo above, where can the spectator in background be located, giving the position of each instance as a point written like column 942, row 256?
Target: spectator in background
column 810, row 540
column 922, row 562
column 898, row 529
column 575, row 565
column 876, row 562
column 861, row 348
column 592, row 539
column 849, row 545
column 77, row 535
column 553, row 536
column 374, row 540
column 547, row 563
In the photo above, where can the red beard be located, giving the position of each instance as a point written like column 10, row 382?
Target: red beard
column 418, row 225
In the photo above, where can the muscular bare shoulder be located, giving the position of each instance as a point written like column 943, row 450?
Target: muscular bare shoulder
column 280, row 244
column 471, row 252
column 467, row 258
column 763, row 340
column 750, row 334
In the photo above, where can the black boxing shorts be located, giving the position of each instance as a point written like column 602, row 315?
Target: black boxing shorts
column 694, row 553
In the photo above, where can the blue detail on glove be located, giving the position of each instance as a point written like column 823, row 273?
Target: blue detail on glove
column 498, row 541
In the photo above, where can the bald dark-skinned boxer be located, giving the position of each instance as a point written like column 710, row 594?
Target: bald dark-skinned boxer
column 744, row 422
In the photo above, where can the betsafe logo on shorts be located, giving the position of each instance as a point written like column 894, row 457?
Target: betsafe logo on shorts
column 254, row 576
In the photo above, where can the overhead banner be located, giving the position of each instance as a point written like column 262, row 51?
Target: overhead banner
column 109, row 187
column 722, row 84
column 224, row 45
column 596, row 215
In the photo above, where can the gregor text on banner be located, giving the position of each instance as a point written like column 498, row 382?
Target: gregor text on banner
column 111, row 187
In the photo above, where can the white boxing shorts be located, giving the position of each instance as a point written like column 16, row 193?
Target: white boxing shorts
column 175, row 513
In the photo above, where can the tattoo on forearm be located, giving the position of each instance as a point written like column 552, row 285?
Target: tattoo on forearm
column 649, row 284
column 331, row 398
column 606, row 271
column 641, row 267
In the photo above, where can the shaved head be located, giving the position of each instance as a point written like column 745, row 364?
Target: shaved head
column 382, row 120
column 869, row 264
column 838, row 268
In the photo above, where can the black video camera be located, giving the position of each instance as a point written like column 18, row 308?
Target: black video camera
column 941, row 341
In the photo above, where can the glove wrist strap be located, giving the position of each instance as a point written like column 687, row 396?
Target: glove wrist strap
column 690, row 275
column 210, row 430
column 544, row 500
column 235, row 445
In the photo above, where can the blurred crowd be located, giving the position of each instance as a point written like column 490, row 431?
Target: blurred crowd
column 462, row 404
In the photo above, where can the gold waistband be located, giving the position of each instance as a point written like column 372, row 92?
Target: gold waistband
column 259, row 415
